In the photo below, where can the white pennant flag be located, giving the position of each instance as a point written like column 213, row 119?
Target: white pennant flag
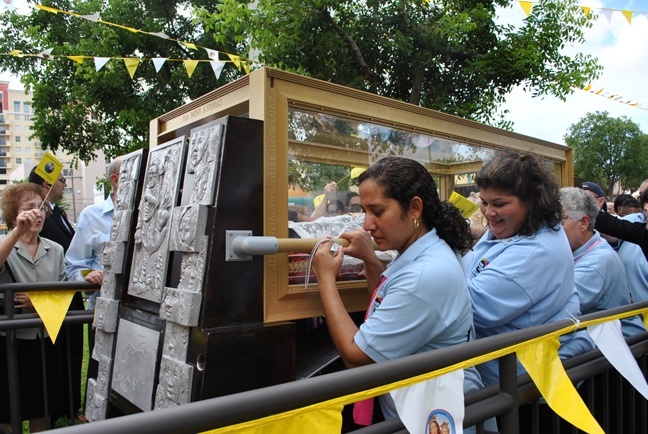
column 158, row 62
column 432, row 406
column 609, row 340
column 93, row 17
column 217, row 66
column 9, row 4
column 607, row 13
column 100, row 62
column 212, row 54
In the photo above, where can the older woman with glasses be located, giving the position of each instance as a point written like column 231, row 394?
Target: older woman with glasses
column 26, row 257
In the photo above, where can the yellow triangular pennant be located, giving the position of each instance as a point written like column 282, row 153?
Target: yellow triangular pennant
column 628, row 16
column 600, row 91
column 588, row 87
column 131, row 65
column 526, row 7
column 246, row 66
column 52, row 307
column 541, row 361
column 586, row 9
column 190, row 65
column 16, row 53
column 189, row 45
column 78, row 59
column 236, row 59
column 47, row 8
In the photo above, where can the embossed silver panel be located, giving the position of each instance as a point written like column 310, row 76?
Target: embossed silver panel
column 175, row 383
column 103, row 344
column 161, row 185
column 188, row 228
column 176, row 341
column 181, row 306
column 203, row 162
column 135, row 360
column 106, row 314
column 192, row 271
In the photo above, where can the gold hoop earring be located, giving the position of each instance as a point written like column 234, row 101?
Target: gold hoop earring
column 416, row 223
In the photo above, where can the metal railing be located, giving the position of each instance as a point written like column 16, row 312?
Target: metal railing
column 502, row 401
column 11, row 321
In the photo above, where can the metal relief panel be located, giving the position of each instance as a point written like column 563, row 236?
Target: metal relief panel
column 103, row 344
column 202, row 163
column 135, row 361
column 106, row 311
column 192, row 271
column 181, row 306
column 176, row 341
column 188, row 228
column 150, row 257
column 175, row 383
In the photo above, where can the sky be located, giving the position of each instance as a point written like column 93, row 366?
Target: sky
column 622, row 50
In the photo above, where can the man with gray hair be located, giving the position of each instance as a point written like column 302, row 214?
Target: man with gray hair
column 83, row 257
column 599, row 275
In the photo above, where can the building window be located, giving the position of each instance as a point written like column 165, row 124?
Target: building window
column 17, row 139
column 18, row 160
column 3, row 171
column 3, row 182
column 18, row 150
column 27, row 149
column 17, row 128
column 16, row 107
column 67, row 173
column 27, row 160
column 28, row 117
column 27, row 107
column 17, row 117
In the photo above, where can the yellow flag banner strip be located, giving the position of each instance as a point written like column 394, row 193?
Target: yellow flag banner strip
column 542, row 363
column 95, row 18
column 614, row 97
column 371, row 393
column 527, row 7
column 52, row 306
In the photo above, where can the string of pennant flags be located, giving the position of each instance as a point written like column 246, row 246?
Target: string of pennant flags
column 244, row 64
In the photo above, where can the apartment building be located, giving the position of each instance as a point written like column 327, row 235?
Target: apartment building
column 19, row 153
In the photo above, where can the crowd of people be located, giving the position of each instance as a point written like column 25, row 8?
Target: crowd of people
column 532, row 226
column 490, row 285
column 43, row 246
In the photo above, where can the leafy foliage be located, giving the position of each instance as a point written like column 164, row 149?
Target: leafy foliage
column 449, row 55
column 608, row 150
column 81, row 110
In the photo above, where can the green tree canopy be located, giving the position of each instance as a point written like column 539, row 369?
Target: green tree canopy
column 608, row 150
column 448, row 55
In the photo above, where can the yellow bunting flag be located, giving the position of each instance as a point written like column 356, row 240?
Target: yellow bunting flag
column 357, row 171
column 526, row 7
column 466, row 206
column 317, row 200
column 323, row 420
column 77, row 59
column 190, row 66
column 547, row 372
column 131, row 65
column 47, row 8
column 246, row 66
column 52, row 307
column 49, row 168
column 236, row 60
column 189, row 45
column 628, row 16
column 586, row 9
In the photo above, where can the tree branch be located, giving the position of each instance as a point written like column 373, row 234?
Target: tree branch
column 367, row 73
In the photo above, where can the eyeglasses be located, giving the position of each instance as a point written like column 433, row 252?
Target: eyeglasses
column 62, row 179
column 354, row 208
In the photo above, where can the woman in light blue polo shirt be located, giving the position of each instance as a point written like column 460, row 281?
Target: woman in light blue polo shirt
column 521, row 272
column 421, row 301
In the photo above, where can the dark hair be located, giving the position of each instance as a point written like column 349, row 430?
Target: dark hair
column 618, row 202
column 525, row 176
column 402, row 179
column 35, row 178
column 11, row 200
column 350, row 195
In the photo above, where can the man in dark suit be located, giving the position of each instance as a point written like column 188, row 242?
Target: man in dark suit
column 58, row 229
